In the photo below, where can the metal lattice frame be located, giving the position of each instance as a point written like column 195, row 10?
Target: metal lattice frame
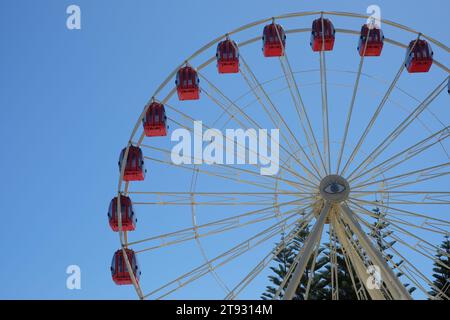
column 346, row 218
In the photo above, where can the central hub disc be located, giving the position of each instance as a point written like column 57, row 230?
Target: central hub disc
column 334, row 188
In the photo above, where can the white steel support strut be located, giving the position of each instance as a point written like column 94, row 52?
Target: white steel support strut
column 306, row 252
column 356, row 260
column 397, row 290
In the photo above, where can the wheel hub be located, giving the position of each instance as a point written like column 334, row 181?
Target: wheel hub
column 334, row 188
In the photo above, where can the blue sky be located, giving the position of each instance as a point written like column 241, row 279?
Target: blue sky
column 69, row 101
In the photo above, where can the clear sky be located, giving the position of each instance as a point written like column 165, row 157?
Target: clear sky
column 69, row 100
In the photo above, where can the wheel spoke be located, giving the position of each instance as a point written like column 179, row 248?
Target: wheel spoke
column 410, row 178
column 324, row 95
column 396, row 221
column 301, row 112
column 225, row 103
column 235, row 171
column 299, row 105
column 400, row 128
column 352, row 103
column 377, row 112
column 212, row 173
column 214, row 198
column 218, row 226
column 325, row 120
column 398, row 211
column 406, row 154
column 307, row 182
column 261, row 94
column 267, row 259
column 223, row 258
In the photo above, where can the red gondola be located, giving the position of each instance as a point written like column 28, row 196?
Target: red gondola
column 227, row 57
column 119, row 270
column 419, row 57
column 187, row 84
column 317, row 36
column 128, row 216
column 274, row 40
column 374, row 43
column 154, row 120
column 134, row 169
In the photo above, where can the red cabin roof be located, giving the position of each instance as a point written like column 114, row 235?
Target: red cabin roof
column 134, row 168
column 227, row 57
column 154, row 120
column 419, row 56
column 187, row 83
column 322, row 40
column 119, row 270
column 128, row 216
column 374, row 41
column 274, row 40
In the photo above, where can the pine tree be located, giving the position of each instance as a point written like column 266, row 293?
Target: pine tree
column 321, row 285
column 284, row 261
column 441, row 271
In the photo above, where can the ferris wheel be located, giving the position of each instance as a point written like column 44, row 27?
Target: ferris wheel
column 362, row 131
